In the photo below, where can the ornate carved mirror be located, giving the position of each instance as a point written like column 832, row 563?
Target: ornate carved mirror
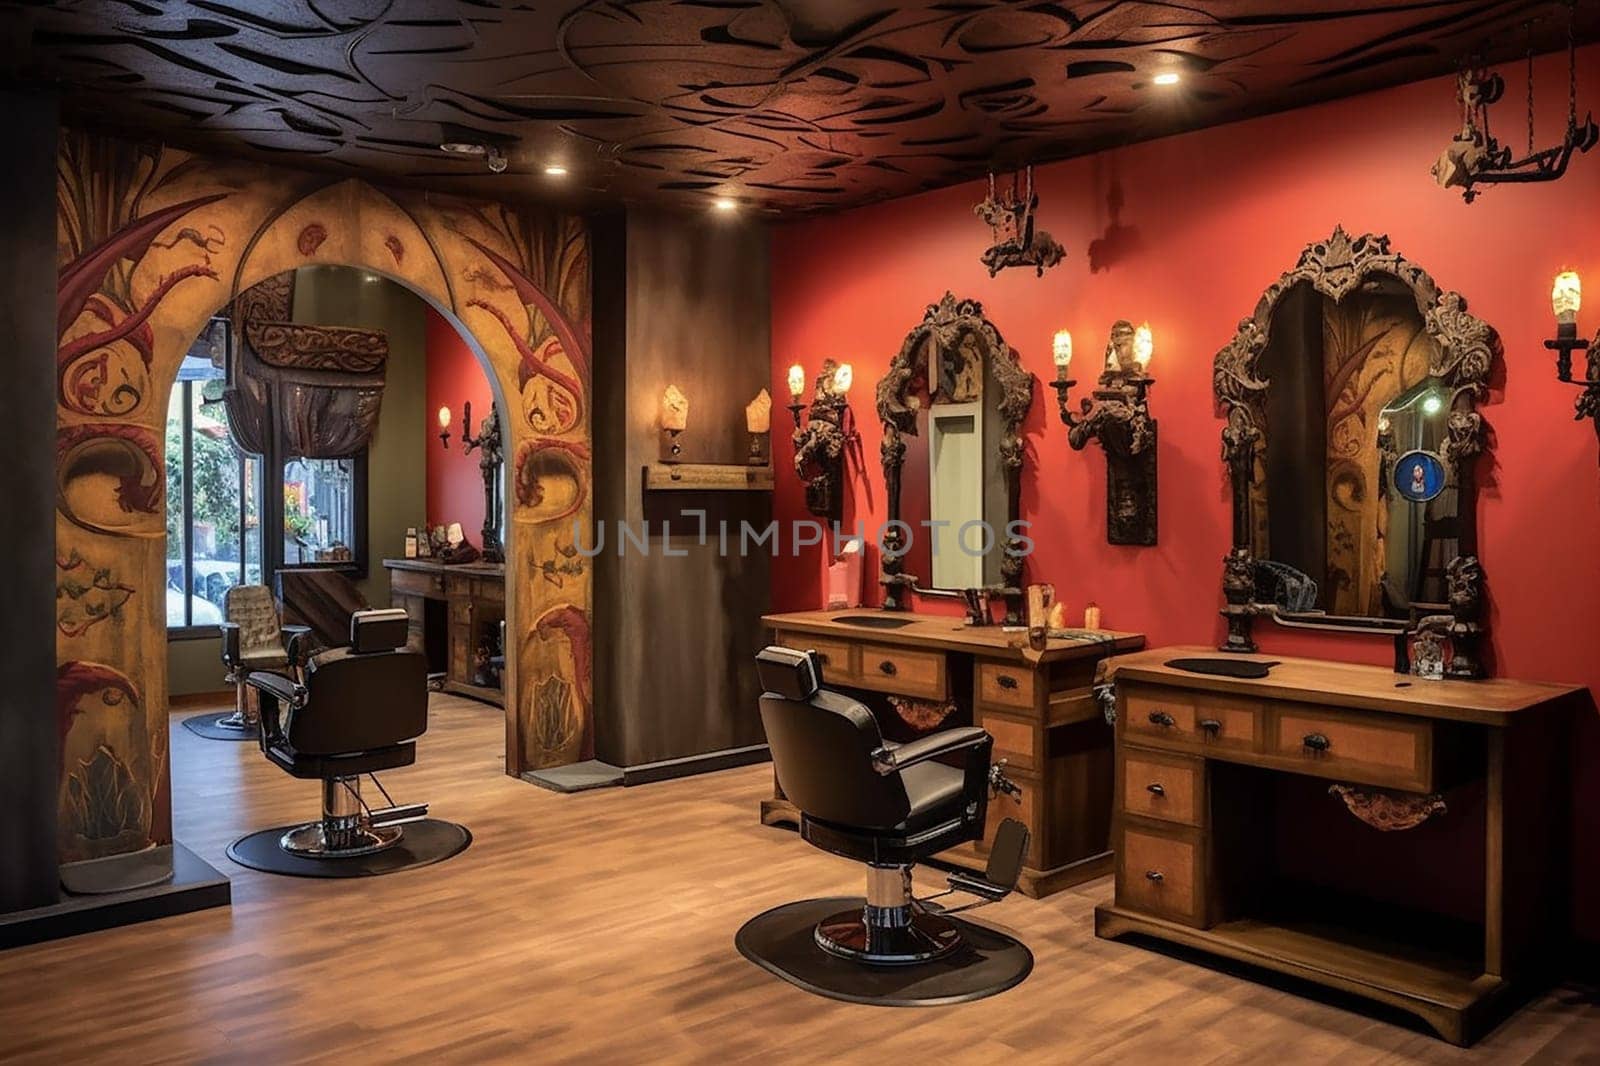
column 1351, row 440
column 952, row 405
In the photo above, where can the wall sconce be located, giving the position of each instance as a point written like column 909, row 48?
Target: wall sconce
column 819, row 444
column 758, row 423
column 1566, row 299
column 1119, row 418
column 674, row 420
column 488, row 443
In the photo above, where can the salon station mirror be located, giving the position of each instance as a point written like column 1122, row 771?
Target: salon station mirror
column 1352, row 439
column 952, row 405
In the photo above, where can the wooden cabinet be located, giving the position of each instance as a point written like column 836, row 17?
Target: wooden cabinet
column 1209, row 860
column 455, row 616
column 1038, row 705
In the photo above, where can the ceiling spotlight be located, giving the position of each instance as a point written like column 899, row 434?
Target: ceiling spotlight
column 555, row 170
column 463, row 148
column 723, row 203
column 1169, row 77
column 496, row 161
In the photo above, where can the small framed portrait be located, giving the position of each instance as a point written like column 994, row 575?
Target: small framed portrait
column 1419, row 476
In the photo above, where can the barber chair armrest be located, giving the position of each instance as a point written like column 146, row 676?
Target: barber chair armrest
column 297, row 642
column 230, row 644
column 932, row 746
column 277, row 692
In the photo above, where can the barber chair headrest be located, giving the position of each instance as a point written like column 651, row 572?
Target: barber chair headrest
column 794, row 675
column 378, row 630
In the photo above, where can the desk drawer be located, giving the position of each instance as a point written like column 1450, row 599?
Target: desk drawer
column 1191, row 721
column 1171, row 788
column 1005, row 685
column 417, row 583
column 904, row 671
column 838, row 657
column 1354, row 746
column 1161, row 873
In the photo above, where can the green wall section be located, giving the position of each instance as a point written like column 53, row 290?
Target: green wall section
column 397, row 460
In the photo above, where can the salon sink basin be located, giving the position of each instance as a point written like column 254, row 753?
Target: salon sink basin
column 872, row 621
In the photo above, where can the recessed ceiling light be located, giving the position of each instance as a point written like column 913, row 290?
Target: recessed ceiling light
column 463, row 148
column 1167, row 78
column 556, row 171
column 723, row 203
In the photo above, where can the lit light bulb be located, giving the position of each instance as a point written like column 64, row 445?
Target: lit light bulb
column 1167, row 77
column 1061, row 348
column 797, row 381
column 1566, row 297
column 555, row 170
column 843, row 375
column 674, row 410
column 724, row 203
column 1431, row 404
column 1144, row 346
column 444, row 418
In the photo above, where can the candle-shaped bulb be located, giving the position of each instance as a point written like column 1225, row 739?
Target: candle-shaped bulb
column 674, row 409
column 1566, row 297
column 1144, row 346
column 843, row 374
column 444, row 418
column 797, row 382
column 1061, row 351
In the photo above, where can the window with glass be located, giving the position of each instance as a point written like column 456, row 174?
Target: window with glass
column 213, row 492
column 321, row 510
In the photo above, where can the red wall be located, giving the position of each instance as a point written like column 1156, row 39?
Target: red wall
column 1186, row 232
column 455, row 484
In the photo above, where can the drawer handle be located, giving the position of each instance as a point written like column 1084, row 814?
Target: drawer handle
column 1154, row 876
column 1155, row 789
column 1316, row 742
column 1006, row 681
column 1211, row 725
column 1162, row 718
column 887, row 667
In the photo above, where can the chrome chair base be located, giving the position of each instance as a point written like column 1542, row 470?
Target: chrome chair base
column 236, row 720
column 314, row 841
column 921, row 937
column 892, row 929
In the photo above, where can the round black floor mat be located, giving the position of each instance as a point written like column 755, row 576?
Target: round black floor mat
column 205, row 725
column 423, row 844
column 780, row 941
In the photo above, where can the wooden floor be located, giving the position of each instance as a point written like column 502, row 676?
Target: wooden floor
column 598, row 928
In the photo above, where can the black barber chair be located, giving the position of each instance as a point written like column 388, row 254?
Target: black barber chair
column 358, row 711
column 889, row 806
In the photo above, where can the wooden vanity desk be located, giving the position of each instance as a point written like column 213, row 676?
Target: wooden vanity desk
column 1228, row 841
column 1038, row 705
column 455, row 614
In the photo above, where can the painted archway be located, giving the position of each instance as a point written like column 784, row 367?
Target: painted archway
column 151, row 242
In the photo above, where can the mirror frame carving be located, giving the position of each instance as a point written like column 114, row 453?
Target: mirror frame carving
column 1464, row 353
column 943, row 325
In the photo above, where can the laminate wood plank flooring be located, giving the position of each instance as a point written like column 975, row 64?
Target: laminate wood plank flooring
column 598, row 928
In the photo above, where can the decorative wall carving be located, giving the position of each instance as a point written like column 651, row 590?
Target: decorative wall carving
column 803, row 105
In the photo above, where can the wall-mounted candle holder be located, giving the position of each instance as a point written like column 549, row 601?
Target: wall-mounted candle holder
column 820, row 443
column 1118, row 416
column 674, row 420
column 758, row 423
column 1566, row 299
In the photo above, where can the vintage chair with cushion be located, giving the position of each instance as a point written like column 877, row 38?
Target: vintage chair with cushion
column 357, row 711
column 254, row 639
column 885, row 805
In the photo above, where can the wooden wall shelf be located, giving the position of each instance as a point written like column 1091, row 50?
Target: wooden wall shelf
column 704, row 477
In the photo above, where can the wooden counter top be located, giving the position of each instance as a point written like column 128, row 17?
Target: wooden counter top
column 1490, row 702
column 952, row 634
column 435, row 566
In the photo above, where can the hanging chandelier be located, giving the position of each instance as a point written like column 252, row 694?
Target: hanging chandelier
column 1474, row 157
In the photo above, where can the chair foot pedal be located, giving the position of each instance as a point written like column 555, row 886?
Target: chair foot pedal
column 1005, row 864
column 399, row 815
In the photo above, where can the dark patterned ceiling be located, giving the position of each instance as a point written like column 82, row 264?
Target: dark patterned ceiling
column 793, row 105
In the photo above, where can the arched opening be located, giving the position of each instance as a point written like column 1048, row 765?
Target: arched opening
column 149, row 262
